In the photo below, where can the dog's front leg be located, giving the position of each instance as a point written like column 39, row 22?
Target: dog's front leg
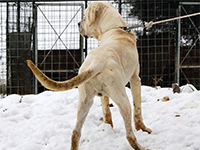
column 136, row 92
column 85, row 103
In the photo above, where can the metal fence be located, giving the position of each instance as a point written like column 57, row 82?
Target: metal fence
column 189, row 45
column 47, row 33
column 60, row 46
column 3, row 49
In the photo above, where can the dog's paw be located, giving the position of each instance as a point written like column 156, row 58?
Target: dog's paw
column 147, row 130
column 107, row 121
column 141, row 126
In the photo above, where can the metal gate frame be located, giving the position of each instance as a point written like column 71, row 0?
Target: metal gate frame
column 179, row 63
column 37, row 5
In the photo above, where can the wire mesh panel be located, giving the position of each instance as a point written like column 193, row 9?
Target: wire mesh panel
column 2, row 49
column 156, row 45
column 60, row 46
column 19, row 47
column 190, row 44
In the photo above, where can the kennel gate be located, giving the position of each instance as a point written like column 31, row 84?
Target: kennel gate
column 60, row 46
column 188, row 50
column 46, row 33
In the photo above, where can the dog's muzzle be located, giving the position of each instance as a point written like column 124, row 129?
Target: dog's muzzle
column 80, row 30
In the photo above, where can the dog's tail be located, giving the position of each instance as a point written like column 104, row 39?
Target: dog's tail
column 59, row 85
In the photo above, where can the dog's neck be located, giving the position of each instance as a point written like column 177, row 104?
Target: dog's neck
column 116, row 34
column 125, row 28
column 103, row 25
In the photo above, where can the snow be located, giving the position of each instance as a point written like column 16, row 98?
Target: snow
column 46, row 121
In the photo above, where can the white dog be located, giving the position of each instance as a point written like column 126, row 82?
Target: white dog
column 105, row 71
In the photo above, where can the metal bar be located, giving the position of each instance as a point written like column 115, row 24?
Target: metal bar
column 58, row 49
column 18, row 17
column 43, row 0
column 81, row 38
column 7, row 52
column 190, row 66
column 189, row 3
column 120, row 7
column 188, row 81
column 50, row 71
column 86, row 47
column 57, row 4
column 177, row 61
column 35, row 45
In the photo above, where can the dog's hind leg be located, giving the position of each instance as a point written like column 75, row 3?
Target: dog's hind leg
column 121, row 99
column 85, row 103
column 136, row 92
column 107, row 118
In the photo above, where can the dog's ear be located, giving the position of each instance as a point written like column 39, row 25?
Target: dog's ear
column 94, row 12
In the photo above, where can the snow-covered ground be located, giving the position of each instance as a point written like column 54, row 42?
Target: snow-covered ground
column 45, row 122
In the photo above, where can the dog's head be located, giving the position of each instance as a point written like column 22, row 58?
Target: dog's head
column 99, row 17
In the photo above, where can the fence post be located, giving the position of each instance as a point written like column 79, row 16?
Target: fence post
column 35, row 48
column 177, row 57
column 86, row 2
column 120, row 8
